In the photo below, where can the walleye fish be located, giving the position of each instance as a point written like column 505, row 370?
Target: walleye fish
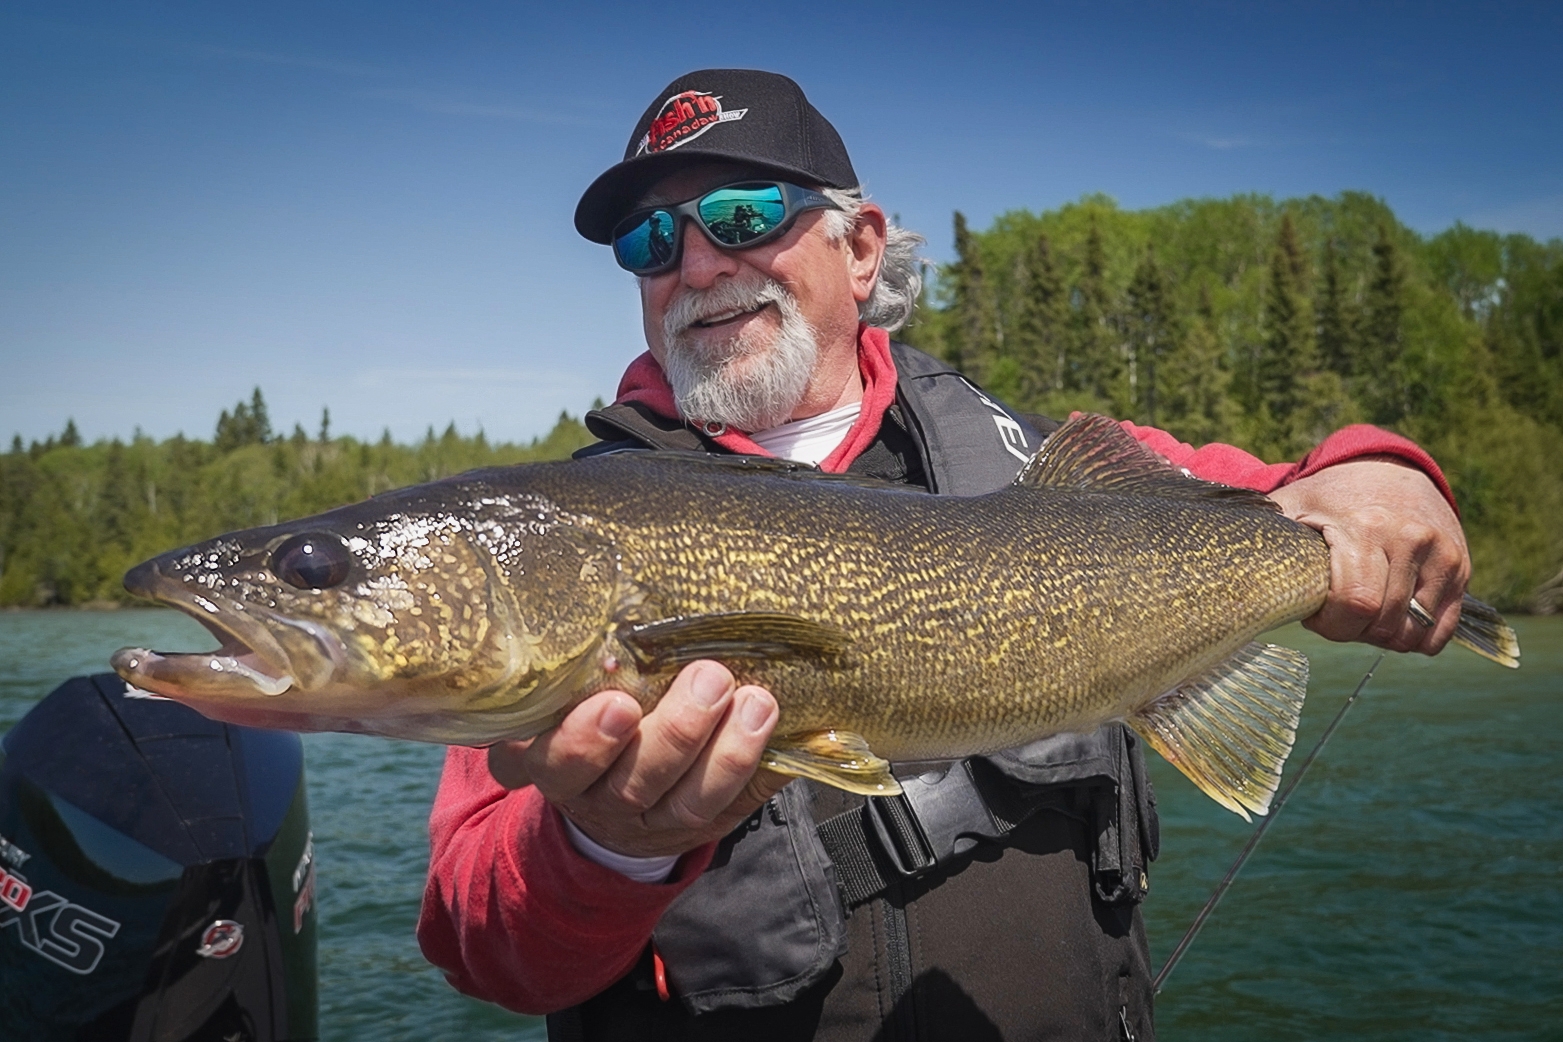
column 891, row 624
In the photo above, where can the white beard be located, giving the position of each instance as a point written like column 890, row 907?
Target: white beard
column 754, row 380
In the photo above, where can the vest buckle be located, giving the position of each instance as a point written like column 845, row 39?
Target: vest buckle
column 937, row 818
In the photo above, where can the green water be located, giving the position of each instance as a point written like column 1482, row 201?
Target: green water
column 1413, row 888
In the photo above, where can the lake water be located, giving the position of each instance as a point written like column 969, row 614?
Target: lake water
column 1413, row 887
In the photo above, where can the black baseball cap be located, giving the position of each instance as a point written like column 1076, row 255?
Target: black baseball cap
column 744, row 116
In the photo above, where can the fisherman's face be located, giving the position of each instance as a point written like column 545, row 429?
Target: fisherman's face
column 741, row 332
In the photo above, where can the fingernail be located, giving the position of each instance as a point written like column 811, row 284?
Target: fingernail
column 617, row 719
column 710, row 685
column 755, row 712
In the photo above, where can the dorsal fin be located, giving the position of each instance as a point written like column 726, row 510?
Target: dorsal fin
column 1093, row 453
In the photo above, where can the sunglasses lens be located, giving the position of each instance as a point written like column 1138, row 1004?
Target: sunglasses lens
column 647, row 244
column 741, row 213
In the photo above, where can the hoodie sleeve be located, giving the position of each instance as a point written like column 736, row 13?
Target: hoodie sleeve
column 1232, row 466
column 512, row 912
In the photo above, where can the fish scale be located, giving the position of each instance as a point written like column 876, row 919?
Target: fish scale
column 1036, row 597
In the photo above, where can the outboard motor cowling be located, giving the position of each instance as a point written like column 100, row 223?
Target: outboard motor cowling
column 156, row 874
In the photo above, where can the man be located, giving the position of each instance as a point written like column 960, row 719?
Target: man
column 634, row 875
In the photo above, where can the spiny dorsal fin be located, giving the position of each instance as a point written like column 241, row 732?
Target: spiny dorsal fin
column 838, row 758
column 1230, row 729
column 1092, row 453
column 748, row 635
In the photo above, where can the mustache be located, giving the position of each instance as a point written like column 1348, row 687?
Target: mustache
column 698, row 305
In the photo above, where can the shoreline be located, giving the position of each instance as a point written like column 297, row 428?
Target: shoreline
column 89, row 606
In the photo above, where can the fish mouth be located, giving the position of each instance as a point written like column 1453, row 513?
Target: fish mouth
column 251, row 660
column 232, row 669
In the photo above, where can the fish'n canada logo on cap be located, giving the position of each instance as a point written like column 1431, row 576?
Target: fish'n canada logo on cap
column 683, row 118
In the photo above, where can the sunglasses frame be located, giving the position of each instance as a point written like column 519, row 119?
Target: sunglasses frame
column 795, row 200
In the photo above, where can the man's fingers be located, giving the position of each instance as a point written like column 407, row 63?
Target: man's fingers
column 672, row 736
column 706, row 793
column 1394, row 628
column 1441, row 592
column 567, row 760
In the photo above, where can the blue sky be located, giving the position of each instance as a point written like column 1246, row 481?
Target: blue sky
column 368, row 205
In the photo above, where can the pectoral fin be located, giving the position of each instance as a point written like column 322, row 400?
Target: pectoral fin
column 733, row 635
column 1230, row 730
column 837, row 758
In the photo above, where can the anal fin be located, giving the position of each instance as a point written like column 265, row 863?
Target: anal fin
column 1231, row 729
column 838, row 758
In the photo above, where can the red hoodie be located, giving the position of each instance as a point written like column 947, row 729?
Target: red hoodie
column 515, row 915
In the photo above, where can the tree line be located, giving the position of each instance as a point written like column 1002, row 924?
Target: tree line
column 1262, row 323
column 1268, row 324
column 75, row 517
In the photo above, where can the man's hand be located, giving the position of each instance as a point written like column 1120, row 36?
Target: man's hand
column 682, row 775
column 1392, row 536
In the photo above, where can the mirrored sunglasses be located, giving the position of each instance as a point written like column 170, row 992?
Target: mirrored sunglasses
column 734, row 217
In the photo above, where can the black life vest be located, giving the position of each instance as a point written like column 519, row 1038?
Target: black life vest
column 766, row 927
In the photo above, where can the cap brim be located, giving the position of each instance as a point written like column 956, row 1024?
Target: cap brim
column 614, row 194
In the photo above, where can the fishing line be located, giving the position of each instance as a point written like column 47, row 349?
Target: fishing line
column 1253, row 841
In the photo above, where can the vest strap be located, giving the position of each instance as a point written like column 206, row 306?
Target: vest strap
column 937, row 820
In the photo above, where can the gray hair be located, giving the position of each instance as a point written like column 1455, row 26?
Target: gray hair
column 900, row 280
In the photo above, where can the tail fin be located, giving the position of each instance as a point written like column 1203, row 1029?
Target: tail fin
column 1483, row 630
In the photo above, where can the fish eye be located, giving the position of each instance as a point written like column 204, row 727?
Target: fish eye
column 312, row 561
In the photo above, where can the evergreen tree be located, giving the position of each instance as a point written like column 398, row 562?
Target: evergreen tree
column 972, row 341
column 1039, row 342
column 116, row 504
column 1194, row 381
column 1288, row 351
column 1336, row 337
column 325, row 424
column 249, row 424
column 259, row 417
column 1095, row 363
column 70, row 438
column 1150, row 326
column 1382, row 364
